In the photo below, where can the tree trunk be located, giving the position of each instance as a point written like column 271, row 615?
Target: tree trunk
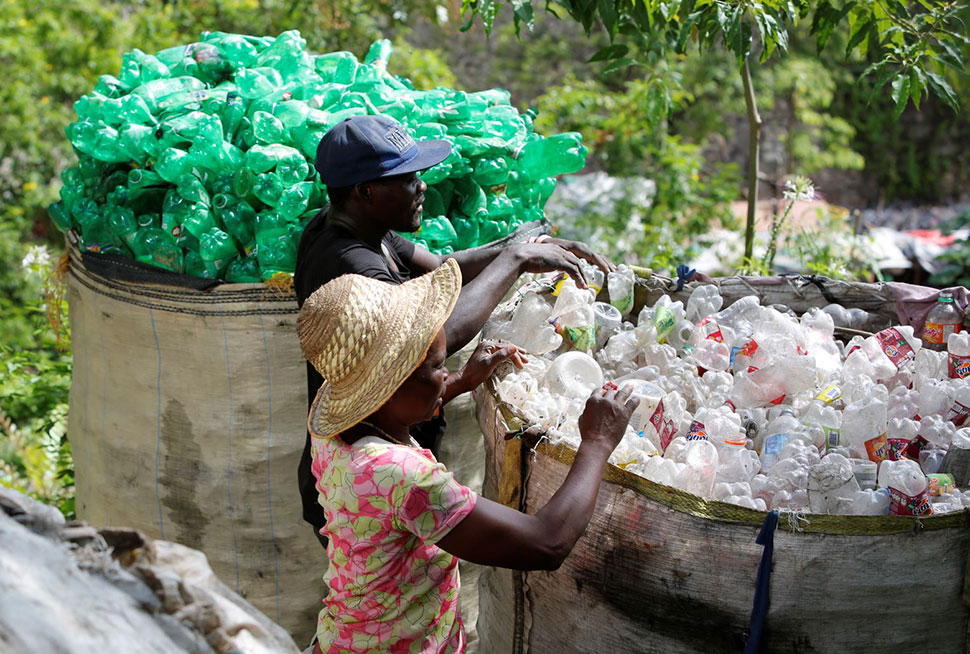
column 754, row 149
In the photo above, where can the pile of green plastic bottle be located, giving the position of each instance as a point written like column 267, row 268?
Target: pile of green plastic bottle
column 199, row 158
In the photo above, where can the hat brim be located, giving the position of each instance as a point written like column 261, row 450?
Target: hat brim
column 430, row 153
column 334, row 410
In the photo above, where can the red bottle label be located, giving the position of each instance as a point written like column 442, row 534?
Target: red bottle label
column 936, row 332
column 958, row 367
column 894, row 345
column 903, row 504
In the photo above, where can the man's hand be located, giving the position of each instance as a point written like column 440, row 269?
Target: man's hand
column 481, row 364
column 548, row 257
column 583, row 251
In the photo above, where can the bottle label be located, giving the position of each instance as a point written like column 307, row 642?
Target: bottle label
column 663, row 320
column 697, row 431
column 829, row 394
column 711, row 330
column 664, row 426
column 940, row 483
column 902, row 504
column 936, row 332
column 748, row 349
column 915, row 446
column 896, row 448
column 957, row 414
column 958, row 367
column 876, row 448
column 832, row 436
column 623, row 304
column 583, row 337
column 774, row 443
column 895, row 346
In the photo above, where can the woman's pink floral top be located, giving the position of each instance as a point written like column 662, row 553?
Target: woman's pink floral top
column 391, row 588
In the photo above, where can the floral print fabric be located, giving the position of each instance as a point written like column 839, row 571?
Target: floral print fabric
column 391, row 588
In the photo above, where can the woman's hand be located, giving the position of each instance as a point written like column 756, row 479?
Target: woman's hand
column 483, row 361
column 607, row 414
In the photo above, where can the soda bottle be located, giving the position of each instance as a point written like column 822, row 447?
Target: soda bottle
column 466, row 231
column 88, row 107
column 198, row 220
column 238, row 218
column 864, row 427
column 216, row 249
column 958, row 355
column 243, row 270
column 941, row 321
column 192, row 264
column 233, row 112
column 237, row 50
column 439, row 231
column 267, row 128
column 155, row 93
column 491, row 172
column 121, row 221
column 268, row 188
column 336, row 67
column 556, row 155
column 907, row 488
column 138, row 142
column 192, row 189
column 60, row 216
column 294, row 199
column 254, row 83
column 277, row 255
column 154, row 247
column 620, row 284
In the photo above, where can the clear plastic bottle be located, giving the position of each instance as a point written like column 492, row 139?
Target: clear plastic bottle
column 864, row 427
column 942, row 320
column 778, row 433
column 958, row 355
column 907, row 488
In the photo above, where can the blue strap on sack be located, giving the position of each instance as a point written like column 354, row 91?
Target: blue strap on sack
column 760, row 608
column 684, row 273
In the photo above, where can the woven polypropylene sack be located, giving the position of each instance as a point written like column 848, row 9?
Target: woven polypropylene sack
column 659, row 570
column 187, row 420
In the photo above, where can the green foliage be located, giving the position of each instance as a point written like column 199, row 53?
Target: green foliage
column 626, row 141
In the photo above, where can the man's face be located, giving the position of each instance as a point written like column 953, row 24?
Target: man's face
column 399, row 200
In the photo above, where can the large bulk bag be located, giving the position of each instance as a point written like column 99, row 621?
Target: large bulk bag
column 187, row 420
column 661, row 570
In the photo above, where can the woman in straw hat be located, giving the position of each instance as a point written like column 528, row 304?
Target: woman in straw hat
column 396, row 519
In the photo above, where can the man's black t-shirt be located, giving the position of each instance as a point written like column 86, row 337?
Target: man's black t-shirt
column 327, row 251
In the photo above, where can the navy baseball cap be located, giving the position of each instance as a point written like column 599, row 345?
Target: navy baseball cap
column 361, row 148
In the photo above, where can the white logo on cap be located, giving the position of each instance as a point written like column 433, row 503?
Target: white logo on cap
column 399, row 139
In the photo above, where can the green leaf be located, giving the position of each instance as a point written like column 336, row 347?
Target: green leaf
column 657, row 103
column 900, row 93
column 943, row 90
column 951, row 56
column 617, row 64
column 859, row 34
column 522, row 11
column 609, row 52
column 917, row 82
column 608, row 15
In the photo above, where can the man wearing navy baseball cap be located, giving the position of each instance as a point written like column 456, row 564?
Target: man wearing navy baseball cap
column 370, row 165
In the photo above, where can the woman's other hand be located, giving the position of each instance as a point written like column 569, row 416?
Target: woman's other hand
column 482, row 362
column 607, row 414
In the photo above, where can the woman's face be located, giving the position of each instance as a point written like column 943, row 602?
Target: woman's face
column 420, row 395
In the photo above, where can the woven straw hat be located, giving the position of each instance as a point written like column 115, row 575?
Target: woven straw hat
column 365, row 337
